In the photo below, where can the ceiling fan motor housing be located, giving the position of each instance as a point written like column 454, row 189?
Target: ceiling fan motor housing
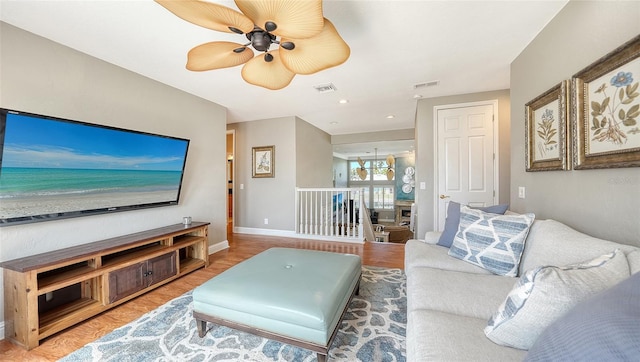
column 260, row 39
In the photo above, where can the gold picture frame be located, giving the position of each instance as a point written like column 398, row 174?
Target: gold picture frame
column 546, row 133
column 263, row 161
column 606, row 115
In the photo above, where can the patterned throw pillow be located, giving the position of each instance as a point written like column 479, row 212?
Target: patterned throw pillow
column 452, row 221
column 545, row 293
column 491, row 241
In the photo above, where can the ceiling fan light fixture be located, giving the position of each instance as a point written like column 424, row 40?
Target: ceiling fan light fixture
column 288, row 45
column 308, row 43
column 261, row 40
column 270, row 26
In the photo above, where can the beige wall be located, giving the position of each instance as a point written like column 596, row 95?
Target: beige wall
column 425, row 198
column 605, row 202
column 314, row 156
column 302, row 159
column 258, row 198
column 39, row 76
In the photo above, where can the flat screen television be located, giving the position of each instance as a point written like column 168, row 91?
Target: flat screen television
column 53, row 168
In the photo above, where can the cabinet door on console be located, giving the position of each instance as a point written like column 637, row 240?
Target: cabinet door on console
column 161, row 268
column 126, row 281
column 134, row 278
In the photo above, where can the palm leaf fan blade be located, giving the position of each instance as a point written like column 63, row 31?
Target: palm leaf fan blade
column 312, row 55
column 271, row 75
column 216, row 55
column 294, row 18
column 390, row 174
column 362, row 171
column 208, row 15
column 390, row 160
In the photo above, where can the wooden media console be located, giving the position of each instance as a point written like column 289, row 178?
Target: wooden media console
column 46, row 293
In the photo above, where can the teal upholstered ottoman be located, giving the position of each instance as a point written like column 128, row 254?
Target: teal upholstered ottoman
column 291, row 295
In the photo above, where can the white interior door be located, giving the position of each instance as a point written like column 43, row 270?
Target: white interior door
column 465, row 157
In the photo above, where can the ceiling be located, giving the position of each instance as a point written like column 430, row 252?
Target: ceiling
column 396, row 48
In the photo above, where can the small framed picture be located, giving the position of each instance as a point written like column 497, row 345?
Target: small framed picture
column 606, row 117
column 546, row 133
column 264, row 161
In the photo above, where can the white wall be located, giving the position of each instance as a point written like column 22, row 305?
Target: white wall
column 40, row 76
column 604, row 203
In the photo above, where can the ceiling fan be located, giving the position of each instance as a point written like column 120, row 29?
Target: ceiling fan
column 305, row 42
column 390, row 162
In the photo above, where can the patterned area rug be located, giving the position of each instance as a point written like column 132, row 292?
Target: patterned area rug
column 373, row 329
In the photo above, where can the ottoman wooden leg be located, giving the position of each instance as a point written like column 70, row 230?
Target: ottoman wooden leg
column 202, row 327
column 321, row 357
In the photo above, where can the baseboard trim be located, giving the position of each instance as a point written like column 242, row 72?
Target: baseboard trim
column 292, row 234
column 270, row 232
column 218, row 247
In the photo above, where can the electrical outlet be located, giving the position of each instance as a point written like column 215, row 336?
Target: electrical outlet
column 521, row 192
column 266, row 221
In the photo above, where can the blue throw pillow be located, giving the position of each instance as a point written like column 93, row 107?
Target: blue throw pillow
column 605, row 327
column 491, row 241
column 453, row 220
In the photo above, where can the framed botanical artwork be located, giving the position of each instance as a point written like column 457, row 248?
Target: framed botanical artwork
column 546, row 130
column 263, row 161
column 607, row 110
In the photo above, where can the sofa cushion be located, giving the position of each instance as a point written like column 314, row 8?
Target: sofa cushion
column 553, row 243
column 432, row 237
column 420, row 254
column 472, row 295
column 492, row 241
column 545, row 293
column 439, row 336
column 605, row 327
column 453, row 220
column 634, row 261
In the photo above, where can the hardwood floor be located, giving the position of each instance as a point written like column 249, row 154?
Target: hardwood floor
column 241, row 247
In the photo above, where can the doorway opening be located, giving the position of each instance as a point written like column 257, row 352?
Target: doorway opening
column 231, row 135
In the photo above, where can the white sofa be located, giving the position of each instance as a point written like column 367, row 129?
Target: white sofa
column 449, row 301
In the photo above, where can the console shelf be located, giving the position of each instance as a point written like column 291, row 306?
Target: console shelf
column 49, row 292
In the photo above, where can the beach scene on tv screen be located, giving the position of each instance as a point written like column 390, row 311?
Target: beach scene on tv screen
column 52, row 166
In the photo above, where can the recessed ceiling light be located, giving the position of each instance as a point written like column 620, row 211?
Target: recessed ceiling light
column 417, row 96
column 344, row 101
column 334, row 122
column 391, row 116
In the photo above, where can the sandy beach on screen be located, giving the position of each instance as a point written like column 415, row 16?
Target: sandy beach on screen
column 17, row 207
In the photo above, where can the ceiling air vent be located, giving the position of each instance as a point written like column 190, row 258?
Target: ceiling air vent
column 324, row 88
column 433, row 83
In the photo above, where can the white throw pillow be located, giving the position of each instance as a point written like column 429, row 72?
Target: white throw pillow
column 544, row 294
column 494, row 242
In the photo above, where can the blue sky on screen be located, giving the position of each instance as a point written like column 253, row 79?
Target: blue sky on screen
column 44, row 143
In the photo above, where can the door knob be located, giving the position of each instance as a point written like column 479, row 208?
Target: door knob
column 442, row 197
